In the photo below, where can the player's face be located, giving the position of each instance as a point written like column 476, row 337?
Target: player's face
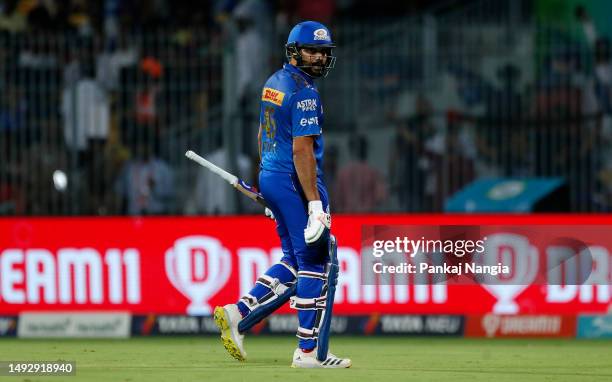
column 315, row 58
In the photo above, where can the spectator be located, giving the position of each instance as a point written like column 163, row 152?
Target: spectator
column 407, row 158
column 11, row 174
column 12, row 18
column 252, row 58
column 79, row 17
column 501, row 138
column 593, row 151
column 602, row 57
column 86, row 112
column 557, row 109
column 450, row 161
column 145, row 184
column 119, row 54
column 359, row 187
column 149, row 103
column 38, row 54
column 13, row 110
column 44, row 15
column 564, row 135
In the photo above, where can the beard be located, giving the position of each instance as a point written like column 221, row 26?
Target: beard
column 315, row 69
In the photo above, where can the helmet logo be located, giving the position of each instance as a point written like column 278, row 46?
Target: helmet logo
column 321, row 34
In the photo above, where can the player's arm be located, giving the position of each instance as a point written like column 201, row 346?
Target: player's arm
column 304, row 129
column 306, row 166
column 305, row 108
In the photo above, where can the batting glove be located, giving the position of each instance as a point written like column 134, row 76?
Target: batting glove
column 269, row 213
column 318, row 222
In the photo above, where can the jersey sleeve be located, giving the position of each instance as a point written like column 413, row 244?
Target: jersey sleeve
column 305, row 112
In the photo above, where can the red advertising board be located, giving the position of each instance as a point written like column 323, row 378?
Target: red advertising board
column 189, row 265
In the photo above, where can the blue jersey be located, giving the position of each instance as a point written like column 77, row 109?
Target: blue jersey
column 290, row 107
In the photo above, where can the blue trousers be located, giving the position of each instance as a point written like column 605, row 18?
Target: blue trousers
column 286, row 199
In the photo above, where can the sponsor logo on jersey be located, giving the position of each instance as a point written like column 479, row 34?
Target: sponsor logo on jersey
column 321, row 34
column 307, row 104
column 309, row 121
column 273, row 95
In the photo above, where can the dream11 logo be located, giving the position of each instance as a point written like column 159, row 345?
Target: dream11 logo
column 567, row 267
column 522, row 257
column 198, row 267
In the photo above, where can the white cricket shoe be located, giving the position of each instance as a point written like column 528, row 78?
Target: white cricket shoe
column 309, row 361
column 227, row 319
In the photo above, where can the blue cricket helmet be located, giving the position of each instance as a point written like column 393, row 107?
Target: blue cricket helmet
column 310, row 34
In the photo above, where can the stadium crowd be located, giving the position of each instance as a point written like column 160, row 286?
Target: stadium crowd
column 99, row 89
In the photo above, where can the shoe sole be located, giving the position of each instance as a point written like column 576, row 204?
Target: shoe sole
column 226, row 334
column 294, row 366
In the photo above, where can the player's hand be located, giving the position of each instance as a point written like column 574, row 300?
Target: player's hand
column 269, row 213
column 318, row 222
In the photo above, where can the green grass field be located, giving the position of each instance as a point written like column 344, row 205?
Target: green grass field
column 374, row 359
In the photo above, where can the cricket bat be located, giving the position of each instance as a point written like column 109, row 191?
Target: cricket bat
column 239, row 184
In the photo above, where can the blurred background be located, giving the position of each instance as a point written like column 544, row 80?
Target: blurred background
column 457, row 106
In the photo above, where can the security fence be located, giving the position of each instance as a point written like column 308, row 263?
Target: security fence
column 416, row 109
column 95, row 128
column 484, row 90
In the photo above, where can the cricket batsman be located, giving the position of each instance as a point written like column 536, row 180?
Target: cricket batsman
column 291, row 181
